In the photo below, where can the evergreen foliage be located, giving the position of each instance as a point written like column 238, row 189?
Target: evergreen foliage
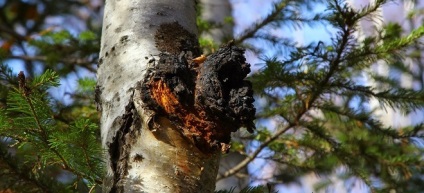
column 47, row 145
column 256, row 189
column 327, row 122
column 318, row 93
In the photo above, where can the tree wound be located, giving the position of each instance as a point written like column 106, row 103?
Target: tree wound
column 206, row 103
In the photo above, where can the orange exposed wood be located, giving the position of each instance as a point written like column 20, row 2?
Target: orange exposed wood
column 200, row 59
column 164, row 97
column 193, row 121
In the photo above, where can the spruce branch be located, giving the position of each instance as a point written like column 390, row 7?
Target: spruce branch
column 83, row 62
column 22, row 174
column 329, row 73
column 249, row 158
column 45, row 135
column 249, row 33
column 344, row 39
column 31, row 107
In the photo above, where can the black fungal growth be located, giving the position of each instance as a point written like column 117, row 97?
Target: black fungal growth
column 205, row 101
column 222, row 90
column 175, row 71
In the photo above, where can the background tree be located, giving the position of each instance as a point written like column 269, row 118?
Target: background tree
column 315, row 94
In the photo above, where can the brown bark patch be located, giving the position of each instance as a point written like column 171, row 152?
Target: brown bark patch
column 173, row 38
column 206, row 103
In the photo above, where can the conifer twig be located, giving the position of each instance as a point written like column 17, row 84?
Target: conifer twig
column 306, row 106
column 251, row 157
column 44, row 136
column 249, row 33
column 78, row 61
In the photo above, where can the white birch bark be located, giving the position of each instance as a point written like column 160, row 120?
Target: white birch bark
column 140, row 158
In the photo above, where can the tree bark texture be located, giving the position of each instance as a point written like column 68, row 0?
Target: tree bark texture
column 165, row 116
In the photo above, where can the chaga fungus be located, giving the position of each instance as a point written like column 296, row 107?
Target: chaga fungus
column 207, row 102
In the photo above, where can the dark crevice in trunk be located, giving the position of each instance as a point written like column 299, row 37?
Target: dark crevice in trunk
column 120, row 146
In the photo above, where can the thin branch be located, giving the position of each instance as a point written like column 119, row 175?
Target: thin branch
column 23, row 175
column 92, row 189
column 81, row 62
column 249, row 33
column 250, row 158
column 344, row 43
column 12, row 33
column 65, row 163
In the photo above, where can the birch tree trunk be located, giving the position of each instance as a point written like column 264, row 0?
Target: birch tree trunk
column 165, row 114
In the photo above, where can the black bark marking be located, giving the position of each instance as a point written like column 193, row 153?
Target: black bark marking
column 124, row 39
column 206, row 103
column 121, row 144
column 100, row 62
column 138, row 158
column 97, row 94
